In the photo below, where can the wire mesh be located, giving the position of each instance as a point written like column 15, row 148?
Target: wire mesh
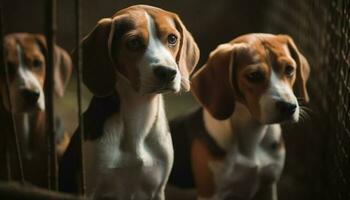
column 12, row 133
column 321, row 30
column 338, row 67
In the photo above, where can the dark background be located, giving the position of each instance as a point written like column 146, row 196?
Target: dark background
column 318, row 150
column 210, row 22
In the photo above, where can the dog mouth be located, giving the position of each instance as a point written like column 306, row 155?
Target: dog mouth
column 165, row 90
column 29, row 107
column 159, row 88
column 280, row 119
column 286, row 119
column 25, row 108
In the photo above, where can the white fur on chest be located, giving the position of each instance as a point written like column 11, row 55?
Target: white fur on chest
column 133, row 158
column 253, row 153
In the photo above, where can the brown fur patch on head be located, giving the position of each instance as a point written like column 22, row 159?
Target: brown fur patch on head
column 122, row 41
column 248, row 69
column 133, row 27
column 267, row 53
column 185, row 52
column 31, row 53
column 34, row 56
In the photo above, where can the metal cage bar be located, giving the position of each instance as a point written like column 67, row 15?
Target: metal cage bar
column 6, row 135
column 13, row 129
column 15, row 191
column 79, row 95
column 51, row 28
column 322, row 29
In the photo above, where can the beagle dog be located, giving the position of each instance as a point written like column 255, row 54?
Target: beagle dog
column 130, row 59
column 233, row 143
column 25, row 55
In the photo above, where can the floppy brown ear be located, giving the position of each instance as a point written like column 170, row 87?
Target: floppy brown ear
column 303, row 69
column 62, row 65
column 188, row 55
column 41, row 41
column 62, row 70
column 212, row 84
column 98, row 69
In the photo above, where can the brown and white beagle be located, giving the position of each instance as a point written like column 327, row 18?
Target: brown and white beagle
column 130, row 59
column 25, row 55
column 234, row 143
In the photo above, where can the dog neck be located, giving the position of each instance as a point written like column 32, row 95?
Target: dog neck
column 241, row 128
column 138, row 112
column 31, row 128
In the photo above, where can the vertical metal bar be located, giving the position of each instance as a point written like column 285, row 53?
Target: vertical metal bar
column 6, row 135
column 51, row 38
column 80, row 116
column 11, row 116
column 7, row 156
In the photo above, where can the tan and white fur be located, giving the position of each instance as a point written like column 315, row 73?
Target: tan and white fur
column 25, row 55
column 246, row 90
column 141, row 52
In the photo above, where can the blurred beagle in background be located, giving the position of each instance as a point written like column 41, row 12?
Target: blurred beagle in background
column 233, row 144
column 130, row 59
column 25, row 55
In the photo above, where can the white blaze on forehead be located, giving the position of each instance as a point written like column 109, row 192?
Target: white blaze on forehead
column 288, row 54
column 156, row 55
column 277, row 91
column 256, row 58
column 23, row 76
column 156, row 51
column 19, row 55
column 171, row 22
column 278, row 87
column 25, row 79
column 286, row 49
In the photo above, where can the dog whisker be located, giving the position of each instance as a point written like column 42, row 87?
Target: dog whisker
column 307, row 110
column 303, row 115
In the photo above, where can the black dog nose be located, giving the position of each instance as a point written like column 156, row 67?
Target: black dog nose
column 164, row 73
column 286, row 108
column 30, row 96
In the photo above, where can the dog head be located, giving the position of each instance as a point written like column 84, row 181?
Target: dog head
column 147, row 46
column 258, row 70
column 25, row 55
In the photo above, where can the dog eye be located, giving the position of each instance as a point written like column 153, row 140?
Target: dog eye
column 289, row 70
column 172, row 40
column 135, row 44
column 255, row 77
column 37, row 63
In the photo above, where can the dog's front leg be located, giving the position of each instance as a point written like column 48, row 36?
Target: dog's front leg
column 160, row 194
column 169, row 152
column 267, row 193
